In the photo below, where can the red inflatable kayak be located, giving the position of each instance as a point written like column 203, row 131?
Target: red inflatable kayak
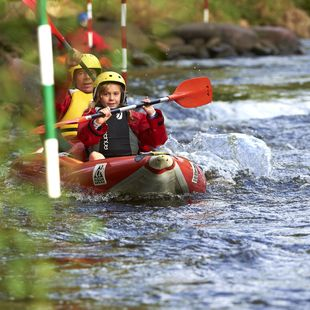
column 143, row 173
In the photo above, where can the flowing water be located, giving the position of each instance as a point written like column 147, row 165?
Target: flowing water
column 244, row 244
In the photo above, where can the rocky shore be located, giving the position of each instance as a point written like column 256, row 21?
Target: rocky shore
column 204, row 40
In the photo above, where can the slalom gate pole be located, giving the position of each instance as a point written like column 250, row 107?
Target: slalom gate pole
column 47, row 81
column 206, row 11
column 124, row 39
column 90, row 24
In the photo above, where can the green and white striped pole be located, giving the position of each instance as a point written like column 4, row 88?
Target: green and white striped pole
column 47, row 81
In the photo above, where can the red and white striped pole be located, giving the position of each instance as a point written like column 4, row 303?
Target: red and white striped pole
column 124, row 39
column 206, row 11
column 90, row 23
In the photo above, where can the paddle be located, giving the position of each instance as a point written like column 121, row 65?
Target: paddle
column 32, row 5
column 190, row 93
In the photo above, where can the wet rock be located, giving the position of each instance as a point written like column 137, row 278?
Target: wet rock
column 141, row 59
column 222, row 50
column 283, row 41
column 203, row 40
column 181, row 51
column 264, row 49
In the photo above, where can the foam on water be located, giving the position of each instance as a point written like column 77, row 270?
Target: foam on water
column 249, row 109
column 226, row 155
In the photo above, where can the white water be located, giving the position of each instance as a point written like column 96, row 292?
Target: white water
column 249, row 109
column 226, row 155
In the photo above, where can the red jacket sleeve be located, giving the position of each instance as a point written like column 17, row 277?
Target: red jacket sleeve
column 99, row 43
column 62, row 105
column 151, row 133
column 88, row 134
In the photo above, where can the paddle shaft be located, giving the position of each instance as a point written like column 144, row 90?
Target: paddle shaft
column 32, row 5
column 127, row 108
column 69, row 48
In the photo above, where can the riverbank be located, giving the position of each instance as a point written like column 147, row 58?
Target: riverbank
column 151, row 28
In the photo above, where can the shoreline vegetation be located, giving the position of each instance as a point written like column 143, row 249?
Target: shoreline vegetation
column 152, row 25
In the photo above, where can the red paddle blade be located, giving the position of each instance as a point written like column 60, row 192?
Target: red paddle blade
column 193, row 93
column 39, row 130
column 32, row 5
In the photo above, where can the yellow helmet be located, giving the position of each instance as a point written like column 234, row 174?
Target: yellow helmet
column 106, row 77
column 90, row 61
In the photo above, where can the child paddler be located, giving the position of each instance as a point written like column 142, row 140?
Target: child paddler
column 76, row 100
column 120, row 134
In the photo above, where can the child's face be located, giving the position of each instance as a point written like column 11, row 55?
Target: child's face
column 82, row 80
column 110, row 95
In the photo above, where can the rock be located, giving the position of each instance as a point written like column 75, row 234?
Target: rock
column 213, row 42
column 283, row 40
column 264, row 49
column 222, row 50
column 193, row 31
column 239, row 38
column 205, row 40
column 141, row 59
column 203, row 52
column 181, row 51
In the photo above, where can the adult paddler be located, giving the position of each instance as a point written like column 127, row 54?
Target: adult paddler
column 73, row 103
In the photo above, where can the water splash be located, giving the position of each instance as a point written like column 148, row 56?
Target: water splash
column 226, row 155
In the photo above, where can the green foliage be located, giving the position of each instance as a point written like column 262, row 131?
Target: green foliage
column 23, row 275
column 225, row 10
column 303, row 4
column 258, row 12
column 158, row 16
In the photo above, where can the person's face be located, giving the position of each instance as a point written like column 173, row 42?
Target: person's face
column 83, row 81
column 83, row 23
column 110, row 95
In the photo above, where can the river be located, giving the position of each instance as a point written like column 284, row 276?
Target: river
column 244, row 244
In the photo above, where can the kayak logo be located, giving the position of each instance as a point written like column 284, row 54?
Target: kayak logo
column 99, row 174
column 195, row 173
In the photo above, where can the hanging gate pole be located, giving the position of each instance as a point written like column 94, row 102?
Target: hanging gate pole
column 206, row 11
column 90, row 24
column 124, row 39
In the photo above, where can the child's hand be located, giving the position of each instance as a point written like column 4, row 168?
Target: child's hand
column 107, row 114
column 149, row 109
